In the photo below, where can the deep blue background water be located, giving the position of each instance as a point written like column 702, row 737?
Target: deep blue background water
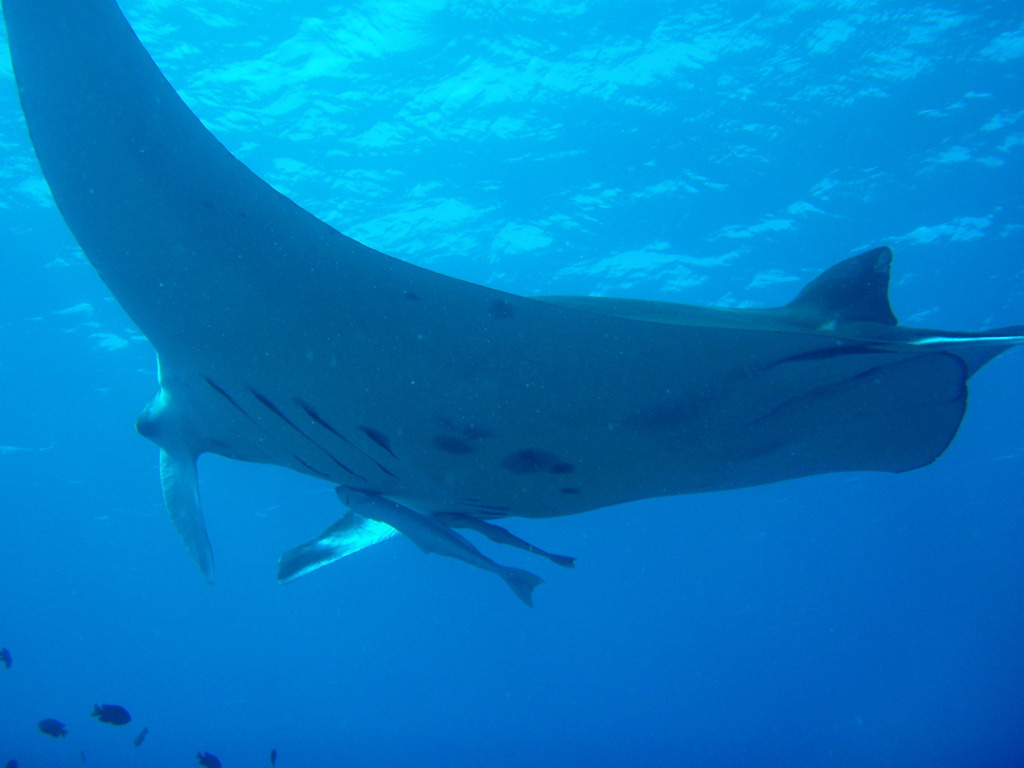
column 709, row 153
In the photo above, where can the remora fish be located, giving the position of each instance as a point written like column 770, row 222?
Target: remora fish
column 282, row 341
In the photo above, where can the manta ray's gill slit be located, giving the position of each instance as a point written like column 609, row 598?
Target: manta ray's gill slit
column 379, row 438
column 265, row 401
column 381, row 467
column 230, row 399
column 220, row 391
column 314, row 470
column 322, row 421
column 311, row 412
column 326, row 425
column 384, row 469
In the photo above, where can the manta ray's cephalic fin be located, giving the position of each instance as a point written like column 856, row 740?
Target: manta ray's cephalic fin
column 165, row 424
column 432, row 535
column 348, row 535
column 499, row 535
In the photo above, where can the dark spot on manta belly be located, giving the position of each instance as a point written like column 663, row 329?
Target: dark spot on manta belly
column 501, row 309
column 525, row 461
column 570, row 490
column 412, row 296
column 530, row 460
column 453, row 445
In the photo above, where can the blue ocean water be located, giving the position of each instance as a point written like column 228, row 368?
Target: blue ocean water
column 706, row 153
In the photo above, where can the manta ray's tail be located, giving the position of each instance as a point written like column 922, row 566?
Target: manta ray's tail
column 976, row 349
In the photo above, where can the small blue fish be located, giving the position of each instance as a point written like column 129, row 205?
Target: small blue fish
column 207, row 760
column 111, row 713
column 51, row 727
column 5, row 657
column 142, row 735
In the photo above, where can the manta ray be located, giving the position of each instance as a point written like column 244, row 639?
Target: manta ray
column 433, row 404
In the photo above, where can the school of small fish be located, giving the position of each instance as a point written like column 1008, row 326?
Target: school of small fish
column 111, row 714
